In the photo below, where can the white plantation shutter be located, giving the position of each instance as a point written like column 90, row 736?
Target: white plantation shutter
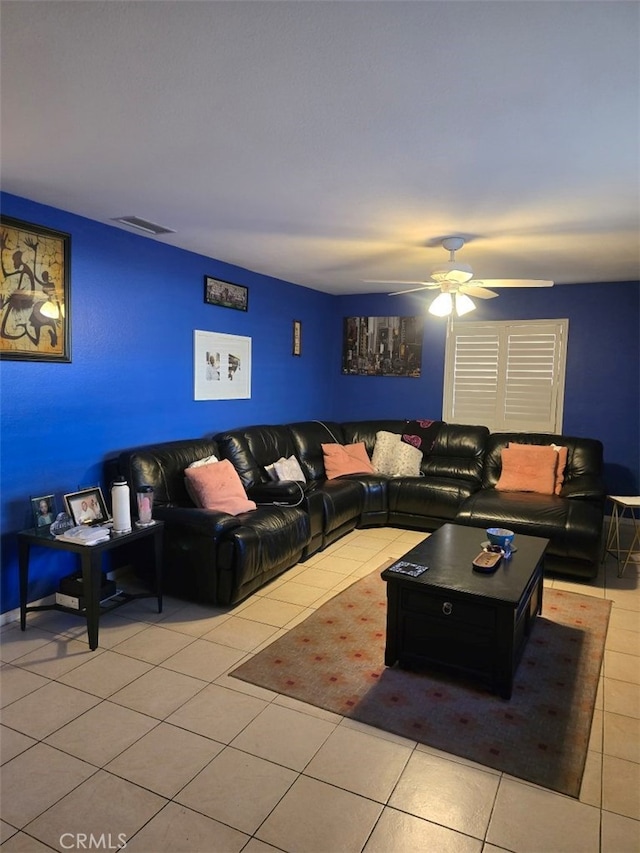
column 507, row 376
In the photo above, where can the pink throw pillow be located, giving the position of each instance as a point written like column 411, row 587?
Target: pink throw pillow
column 219, row 487
column 562, row 452
column 341, row 459
column 525, row 469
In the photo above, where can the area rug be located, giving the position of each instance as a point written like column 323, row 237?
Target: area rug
column 335, row 660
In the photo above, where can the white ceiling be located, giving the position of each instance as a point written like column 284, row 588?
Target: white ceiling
column 327, row 143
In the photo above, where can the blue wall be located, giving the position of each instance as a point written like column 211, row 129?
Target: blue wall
column 135, row 303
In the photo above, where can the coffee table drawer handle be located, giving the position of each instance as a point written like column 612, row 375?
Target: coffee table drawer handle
column 447, row 608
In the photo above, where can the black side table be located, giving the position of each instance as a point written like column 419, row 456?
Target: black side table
column 91, row 566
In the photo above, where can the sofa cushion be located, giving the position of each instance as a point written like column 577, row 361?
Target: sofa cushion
column 391, row 456
column 427, row 497
column 342, row 459
column 219, row 487
column 526, row 468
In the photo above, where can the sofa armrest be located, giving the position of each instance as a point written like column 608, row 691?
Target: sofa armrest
column 585, row 487
column 286, row 492
column 208, row 522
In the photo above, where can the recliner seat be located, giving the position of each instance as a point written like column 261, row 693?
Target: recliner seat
column 211, row 556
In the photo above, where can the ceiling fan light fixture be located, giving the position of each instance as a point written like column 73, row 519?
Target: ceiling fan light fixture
column 442, row 305
column 464, row 304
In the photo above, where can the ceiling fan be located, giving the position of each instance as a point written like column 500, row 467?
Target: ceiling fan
column 456, row 283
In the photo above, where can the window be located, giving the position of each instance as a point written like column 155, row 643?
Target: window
column 508, row 376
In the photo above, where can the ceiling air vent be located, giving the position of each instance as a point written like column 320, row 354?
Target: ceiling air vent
column 143, row 225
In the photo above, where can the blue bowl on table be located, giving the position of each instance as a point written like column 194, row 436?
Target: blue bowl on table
column 500, row 536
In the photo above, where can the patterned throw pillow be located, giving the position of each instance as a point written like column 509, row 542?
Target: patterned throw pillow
column 394, row 458
column 421, row 434
column 286, row 469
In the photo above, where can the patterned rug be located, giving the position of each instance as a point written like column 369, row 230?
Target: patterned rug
column 334, row 660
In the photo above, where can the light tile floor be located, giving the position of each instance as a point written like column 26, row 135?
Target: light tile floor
column 148, row 740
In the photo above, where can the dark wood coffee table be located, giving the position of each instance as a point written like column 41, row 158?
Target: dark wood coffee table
column 452, row 616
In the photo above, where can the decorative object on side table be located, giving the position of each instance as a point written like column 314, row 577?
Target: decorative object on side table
column 85, row 534
column 120, row 506
column 87, row 506
column 62, row 523
column 35, row 314
column 144, row 500
column 225, row 294
column 502, row 537
column 43, row 509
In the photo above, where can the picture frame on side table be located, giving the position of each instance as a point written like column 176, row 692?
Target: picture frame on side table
column 221, row 366
column 87, row 506
column 297, row 337
column 225, row 294
column 35, row 312
column 43, row 509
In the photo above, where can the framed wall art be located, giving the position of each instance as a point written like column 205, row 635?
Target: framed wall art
column 35, row 312
column 221, row 366
column 225, row 294
column 87, row 506
column 382, row 346
column 297, row 337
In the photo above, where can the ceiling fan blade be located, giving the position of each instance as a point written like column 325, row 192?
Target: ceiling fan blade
column 397, row 281
column 411, row 290
column 511, row 282
column 476, row 290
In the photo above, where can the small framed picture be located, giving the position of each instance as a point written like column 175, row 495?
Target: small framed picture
column 87, row 506
column 43, row 510
column 297, row 337
column 225, row 294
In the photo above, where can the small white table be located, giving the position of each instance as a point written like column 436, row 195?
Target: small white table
column 624, row 506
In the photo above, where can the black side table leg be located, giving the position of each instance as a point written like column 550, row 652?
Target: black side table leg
column 23, row 564
column 157, row 556
column 91, row 571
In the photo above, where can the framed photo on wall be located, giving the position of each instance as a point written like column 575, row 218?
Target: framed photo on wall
column 221, row 366
column 35, row 311
column 225, row 294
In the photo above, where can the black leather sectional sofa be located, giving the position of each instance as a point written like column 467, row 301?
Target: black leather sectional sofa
column 218, row 558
